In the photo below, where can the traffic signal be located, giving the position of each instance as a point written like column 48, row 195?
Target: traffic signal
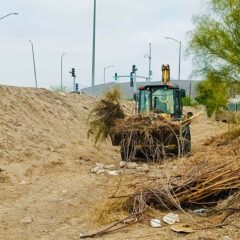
column 73, row 72
column 133, row 68
column 116, row 77
column 77, row 87
column 131, row 79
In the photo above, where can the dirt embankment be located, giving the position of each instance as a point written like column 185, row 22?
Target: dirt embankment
column 46, row 188
column 45, row 158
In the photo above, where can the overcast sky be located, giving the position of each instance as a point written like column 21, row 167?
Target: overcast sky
column 124, row 30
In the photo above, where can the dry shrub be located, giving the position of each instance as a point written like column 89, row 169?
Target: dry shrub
column 110, row 210
column 225, row 138
column 104, row 113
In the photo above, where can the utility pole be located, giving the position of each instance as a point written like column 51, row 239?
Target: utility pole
column 61, row 71
column 133, row 75
column 34, row 64
column 179, row 61
column 94, row 43
column 149, row 56
column 190, row 91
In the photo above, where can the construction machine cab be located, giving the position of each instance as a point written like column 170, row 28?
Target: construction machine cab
column 164, row 98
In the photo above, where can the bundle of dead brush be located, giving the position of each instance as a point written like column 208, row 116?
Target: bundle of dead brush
column 104, row 113
column 142, row 123
column 199, row 189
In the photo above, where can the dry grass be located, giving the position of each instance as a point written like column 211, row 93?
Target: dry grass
column 104, row 113
column 109, row 210
column 225, row 138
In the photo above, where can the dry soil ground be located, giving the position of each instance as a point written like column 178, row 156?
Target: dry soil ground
column 46, row 189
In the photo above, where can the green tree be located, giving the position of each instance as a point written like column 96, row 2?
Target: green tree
column 212, row 93
column 215, row 46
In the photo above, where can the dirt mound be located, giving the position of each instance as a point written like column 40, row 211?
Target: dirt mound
column 37, row 123
column 45, row 157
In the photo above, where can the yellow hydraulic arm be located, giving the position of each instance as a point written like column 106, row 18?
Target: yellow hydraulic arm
column 165, row 74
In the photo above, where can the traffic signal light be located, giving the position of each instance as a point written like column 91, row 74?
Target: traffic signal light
column 77, row 87
column 73, row 72
column 133, row 68
column 116, row 77
column 131, row 79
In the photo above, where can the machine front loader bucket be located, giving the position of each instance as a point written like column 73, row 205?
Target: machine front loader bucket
column 154, row 144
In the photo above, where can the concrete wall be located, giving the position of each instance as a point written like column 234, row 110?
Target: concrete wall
column 127, row 91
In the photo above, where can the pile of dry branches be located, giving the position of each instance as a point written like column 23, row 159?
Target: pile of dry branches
column 104, row 113
column 143, row 123
column 202, row 189
column 157, row 135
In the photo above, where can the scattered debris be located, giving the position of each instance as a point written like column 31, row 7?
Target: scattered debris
column 171, row 218
column 143, row 168
column 113, row 173
column 182, row 228
column 122, row 164
column 200, row 211
column 26, row 220
column 111, row 169
column 98, row 168
column 155, row 223
column 130, row 220
column 112, row 166
column 131, row 165
column 22, row 182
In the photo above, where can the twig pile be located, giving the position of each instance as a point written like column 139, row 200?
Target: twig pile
column 157, row 135
column 143, row 122
column 202, row 189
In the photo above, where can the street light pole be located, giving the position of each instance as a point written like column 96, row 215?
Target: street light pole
column 150, row 62
column 34, row 64
column 94, row 43
column 180, row 50
column 179, row 61
column 61, row 71
column 104, row 76
column 149, row 56
column 8, row 15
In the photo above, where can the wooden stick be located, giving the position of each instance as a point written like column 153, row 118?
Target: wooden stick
column 107, row 229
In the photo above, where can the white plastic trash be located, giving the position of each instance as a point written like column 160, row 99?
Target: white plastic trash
column 171, row 218
column 113, row 173
column 156, row 223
